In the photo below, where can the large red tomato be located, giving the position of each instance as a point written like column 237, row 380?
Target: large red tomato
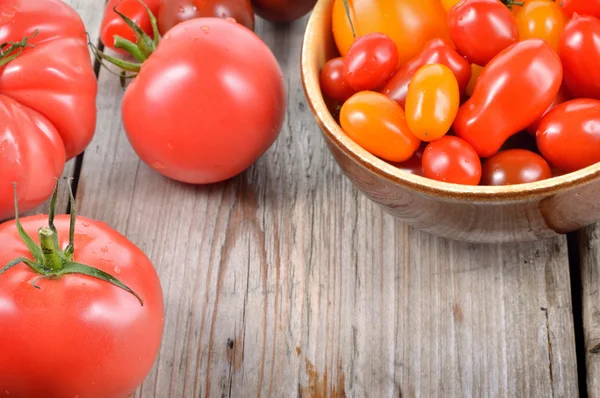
column 47, row 97
column 207, row 104
column 76, row 331
column 113, row 24
column 410, row 23
column 173, row 12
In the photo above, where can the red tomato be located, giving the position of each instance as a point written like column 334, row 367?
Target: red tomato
column 432, row 102
column 113, row 24
column 409, row 23
column 437, row 51
column 378, row 124
column 333, row 83
column 541, row 19
column 207, row 104
column 579, row 52
column 451, row 159
column 581, row 7
column 282, row 10
column 569, row 135
column 562, row 96
column 47, row 98
column 480, row 29
column 512, row 92
column 514, row 166
column 370, row 62
column 174, row 12
column 95, row 329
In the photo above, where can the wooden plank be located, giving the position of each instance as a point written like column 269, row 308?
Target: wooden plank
column 286, row 281
column 590, row 302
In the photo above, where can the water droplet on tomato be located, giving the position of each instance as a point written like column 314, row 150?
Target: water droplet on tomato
column 169, row 145
column 158, row 165
column 117, row 270
column 181, row 10
column 205, row 29
column 85, row 224
column 3, row 145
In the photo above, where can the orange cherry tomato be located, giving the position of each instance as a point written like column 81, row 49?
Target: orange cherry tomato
column 409, row 23
column 541, row 19
column 448, row 4
column 514, row 8
column 475, row 72
column 432, row 102
column 378, row 124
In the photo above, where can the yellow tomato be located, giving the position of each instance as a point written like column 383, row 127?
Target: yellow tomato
column 432, row 102
column 475, row 72
column 541, row 19
column 448, row 4
column 515, row 9
column 409, row 23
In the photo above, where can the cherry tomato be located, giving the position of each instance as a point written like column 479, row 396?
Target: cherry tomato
column 451, row 159
column 413, row 165
column 370, row 62
column 514, row 166
column 541, row 19
column 515, row 8
column 432, row 102
column 562, row 96
column 448, row 4
column 113, row 24
column 378, row 124
column 513, row 91
column 333, row 83
column 480, row 29
column 47, row 98
column 436, row 51
column 174, row 12
column 76, row 323
column 475, row 72
column 282, row 10
column 579, row 52
column 409, row 23
column 569, row 135
column 581, row 7
column 207, row 105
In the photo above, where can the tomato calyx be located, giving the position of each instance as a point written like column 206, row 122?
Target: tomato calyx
column 49, row 261
column 511, row 3
column 347, row 8
column 11, row 50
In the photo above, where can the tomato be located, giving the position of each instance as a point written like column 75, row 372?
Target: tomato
column 569, row 135
column 475, row 72
column 112, row 24
column 413, row 165
column 378, row 124
column 370, row 62
column 514, row 166
column 282, row 10
column 75, row 330
column 448, row 4
column 581, row 7
column 437, row 51
column 47, row 97
column 515, row 8
column 451, row 159
column 480, row 29
column 541, row 19
column 562, row 96
column 432, row 102
column 205, row 106
column 410, row 23
column 173, row 12
column 513, row 91
column 579, row 52
column 333, row 83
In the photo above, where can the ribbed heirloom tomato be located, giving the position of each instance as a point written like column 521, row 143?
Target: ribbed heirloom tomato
column 47, row 97
column 173, row 12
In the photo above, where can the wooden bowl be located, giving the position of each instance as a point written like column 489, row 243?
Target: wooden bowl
column 513, row 213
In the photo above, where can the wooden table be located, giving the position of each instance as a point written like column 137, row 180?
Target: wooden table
column 285, row 281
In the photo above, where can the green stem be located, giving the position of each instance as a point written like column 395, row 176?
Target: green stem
column 511, row 3
column 52, row 260
column 347, row 7
column 130, row 47
column 10, row 51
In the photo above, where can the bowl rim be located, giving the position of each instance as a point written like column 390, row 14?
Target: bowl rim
column 394, row 175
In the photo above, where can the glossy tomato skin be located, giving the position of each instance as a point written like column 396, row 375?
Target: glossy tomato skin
column 112, row 24
column 332, row 80
column 581, row 7
column 514, row 166
column 174, row 12
column 436, row 51
column 378, row 124
column 512, row 92
column 562, row 96
column 451, row 159
column 370, row 62
column 282, row 11
column 205, row 106
column 76, row 335
column 579, row 51
column 480, row 29
column 432, row 102
column 569, row 137
column 541, row 19
column 409, row 23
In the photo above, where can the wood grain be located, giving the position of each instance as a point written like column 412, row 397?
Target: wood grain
column 590, row 298
column 286, row 282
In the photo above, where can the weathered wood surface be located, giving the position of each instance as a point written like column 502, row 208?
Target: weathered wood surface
column 286, row 282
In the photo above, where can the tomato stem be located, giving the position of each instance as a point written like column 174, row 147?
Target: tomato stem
column 511, row 3
column 52, row 260
column 347, row 7
column 11, row 50
column 130, row 47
